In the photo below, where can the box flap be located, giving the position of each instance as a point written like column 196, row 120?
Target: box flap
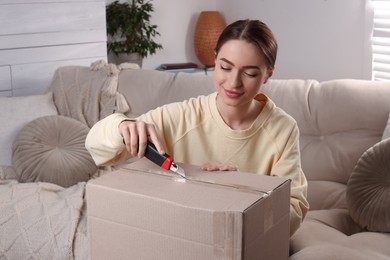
column 159, row 184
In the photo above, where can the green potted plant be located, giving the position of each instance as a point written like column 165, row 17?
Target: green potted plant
column 130, row 34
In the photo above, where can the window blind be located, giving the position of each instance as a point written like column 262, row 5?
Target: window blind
column 381, row 40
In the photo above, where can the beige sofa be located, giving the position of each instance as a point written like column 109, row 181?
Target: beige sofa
column 342, row 123
column 339, row 121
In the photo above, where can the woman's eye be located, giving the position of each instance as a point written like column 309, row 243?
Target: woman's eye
column 252, row 75
column 224, row 67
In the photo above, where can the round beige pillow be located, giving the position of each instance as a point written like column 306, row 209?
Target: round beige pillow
column 368, row 189
column 52, row 149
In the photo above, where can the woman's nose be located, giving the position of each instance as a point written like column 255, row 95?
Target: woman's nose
column 235, row 80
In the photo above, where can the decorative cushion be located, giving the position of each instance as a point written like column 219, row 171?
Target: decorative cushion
column 386, row 133
column 15, row 113
column 368, row 189
column 52, row 149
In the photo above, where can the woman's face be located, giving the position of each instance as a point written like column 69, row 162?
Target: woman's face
column 240, row 71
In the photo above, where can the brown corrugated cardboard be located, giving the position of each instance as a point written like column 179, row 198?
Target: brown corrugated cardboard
column 144, row 212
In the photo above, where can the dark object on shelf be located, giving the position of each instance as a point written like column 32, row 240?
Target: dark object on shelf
column 175, row 66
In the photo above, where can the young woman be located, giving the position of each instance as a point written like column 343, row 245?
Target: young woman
column 235, row 128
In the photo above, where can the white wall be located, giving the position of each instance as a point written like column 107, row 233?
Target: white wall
column 176, row 20
column 320, row 39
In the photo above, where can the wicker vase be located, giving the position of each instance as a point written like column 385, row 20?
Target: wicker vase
column 209, row 26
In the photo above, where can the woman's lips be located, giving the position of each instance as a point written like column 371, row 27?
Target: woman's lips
column 232, row 94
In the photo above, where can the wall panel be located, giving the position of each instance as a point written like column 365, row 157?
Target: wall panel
column 37, row 76
column 37, row 37
column 5, row 78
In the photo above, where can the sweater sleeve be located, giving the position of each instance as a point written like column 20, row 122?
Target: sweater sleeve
column 104, row 142
column 289, row 166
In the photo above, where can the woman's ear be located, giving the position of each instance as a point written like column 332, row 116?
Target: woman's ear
column 269, row 75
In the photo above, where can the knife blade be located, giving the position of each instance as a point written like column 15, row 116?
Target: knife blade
column 165, row 161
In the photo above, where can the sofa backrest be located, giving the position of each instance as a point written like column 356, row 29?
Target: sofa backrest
column 338, row 121
column 160, row 88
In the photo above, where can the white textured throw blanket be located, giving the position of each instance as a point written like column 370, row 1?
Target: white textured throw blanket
column 88, row 94
column 40, row 220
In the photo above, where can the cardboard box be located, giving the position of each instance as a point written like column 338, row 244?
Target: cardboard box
column 145, row 212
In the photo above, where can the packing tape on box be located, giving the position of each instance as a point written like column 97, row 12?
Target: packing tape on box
column 178, row 178
column 225, row 242
column 268, row 215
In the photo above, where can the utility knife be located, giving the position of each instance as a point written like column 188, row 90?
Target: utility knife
column 165, row 161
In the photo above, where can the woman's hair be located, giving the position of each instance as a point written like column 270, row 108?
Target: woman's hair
column 252, row 31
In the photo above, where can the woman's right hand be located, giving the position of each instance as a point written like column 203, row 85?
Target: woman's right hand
column 136, row 135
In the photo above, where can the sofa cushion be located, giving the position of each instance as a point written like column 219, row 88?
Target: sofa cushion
column 332, row 234
column 337, row 123
column 368, row 189
column 386, row 133
column 52, row 149
column 15, row 113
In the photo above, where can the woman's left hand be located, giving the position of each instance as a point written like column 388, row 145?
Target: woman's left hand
column 218, row 166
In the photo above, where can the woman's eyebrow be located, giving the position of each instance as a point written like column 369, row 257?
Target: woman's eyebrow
column 245, row 67
column 227, row 61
